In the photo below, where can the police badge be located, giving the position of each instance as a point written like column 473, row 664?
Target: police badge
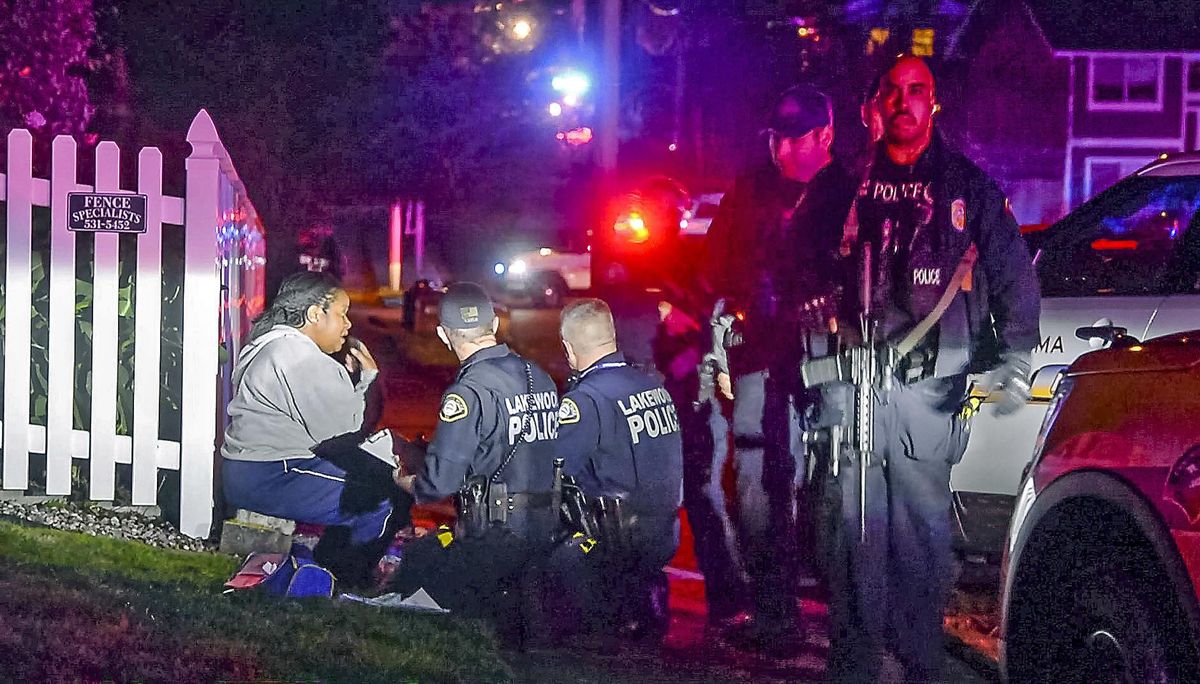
column 568, row 412
column 958, row 215
column 454, row 408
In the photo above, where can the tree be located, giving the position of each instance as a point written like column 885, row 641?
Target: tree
column 43, row 66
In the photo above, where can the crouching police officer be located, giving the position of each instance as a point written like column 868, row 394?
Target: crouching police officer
column 620, row 443
column 493, row 448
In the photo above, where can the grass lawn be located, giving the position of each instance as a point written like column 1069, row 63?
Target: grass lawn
column 80, row 608
column 74, row 607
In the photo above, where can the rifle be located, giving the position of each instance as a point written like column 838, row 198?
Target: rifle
column 871, row 366
column 868, row 367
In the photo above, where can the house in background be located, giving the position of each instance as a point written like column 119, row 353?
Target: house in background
column 1060, row 99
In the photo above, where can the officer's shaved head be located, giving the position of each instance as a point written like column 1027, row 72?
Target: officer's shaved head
column 587, row 329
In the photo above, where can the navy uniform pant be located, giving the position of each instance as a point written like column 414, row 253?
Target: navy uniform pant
column 770, row 464
column 888, row 594
column 705, row 454
column 602, row 585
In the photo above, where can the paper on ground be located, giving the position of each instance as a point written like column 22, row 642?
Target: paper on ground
column 419, row 601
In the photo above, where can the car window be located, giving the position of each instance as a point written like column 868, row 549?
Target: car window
column 706, row 210
column 1139, row 237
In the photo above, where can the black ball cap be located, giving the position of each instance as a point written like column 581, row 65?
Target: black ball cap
column 799, row 110
column 465, row 306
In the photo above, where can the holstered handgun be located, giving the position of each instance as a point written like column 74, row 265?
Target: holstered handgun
column 471, row 503
column 576, row 510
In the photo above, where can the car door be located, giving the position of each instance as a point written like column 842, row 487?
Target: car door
column 1114, row 260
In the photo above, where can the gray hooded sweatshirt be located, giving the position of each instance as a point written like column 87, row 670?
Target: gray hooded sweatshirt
column 289, row 396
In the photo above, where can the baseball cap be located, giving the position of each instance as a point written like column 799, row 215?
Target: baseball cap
column 465, row 306
column 799, row 110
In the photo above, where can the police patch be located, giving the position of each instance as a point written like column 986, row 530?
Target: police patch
column 958, row 215
column 454, row 408
column 568, row 412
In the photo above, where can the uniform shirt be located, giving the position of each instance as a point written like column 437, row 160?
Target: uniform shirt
column 770, row 248
column 619, row 437
column 289, row 397
column 895, row 205
column 928, row 215
column 483, row 414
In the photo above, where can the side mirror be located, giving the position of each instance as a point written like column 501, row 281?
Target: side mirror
column 1045, row 381
column 1109, row 335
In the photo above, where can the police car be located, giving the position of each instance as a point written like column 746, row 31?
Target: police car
column 1128, row 258
column 1102, row 560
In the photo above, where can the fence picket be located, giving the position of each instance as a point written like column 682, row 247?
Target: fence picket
column 147, row 336
column 103, row 452
column 61, row 374
column 18, row 295
column 201, row 315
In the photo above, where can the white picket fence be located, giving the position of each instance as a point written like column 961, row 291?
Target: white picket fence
column 223, row 283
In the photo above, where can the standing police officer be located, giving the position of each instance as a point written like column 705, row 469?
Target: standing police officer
column 925, row 211
column 619, row 439
column 494, row 448
column 770, row 247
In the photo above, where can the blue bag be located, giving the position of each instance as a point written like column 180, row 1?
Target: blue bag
column 299, row 576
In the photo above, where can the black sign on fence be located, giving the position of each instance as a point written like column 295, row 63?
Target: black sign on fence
column 95, row 212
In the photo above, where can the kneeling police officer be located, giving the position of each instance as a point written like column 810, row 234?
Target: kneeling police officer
column 494, row 449
column 619, row 442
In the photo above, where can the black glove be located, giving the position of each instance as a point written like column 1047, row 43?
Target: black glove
column 1011, row 378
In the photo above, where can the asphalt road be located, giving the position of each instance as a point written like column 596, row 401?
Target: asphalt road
column 414, row 371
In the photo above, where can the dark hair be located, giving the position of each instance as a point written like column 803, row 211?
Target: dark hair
column 296, row 293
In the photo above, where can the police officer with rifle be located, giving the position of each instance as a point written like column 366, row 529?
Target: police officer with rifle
column 945, row 288
column 770, row 249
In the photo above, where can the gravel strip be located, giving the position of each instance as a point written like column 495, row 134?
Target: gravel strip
column 102, row 522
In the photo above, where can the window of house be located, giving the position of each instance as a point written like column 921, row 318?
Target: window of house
column 877, row 39
column 1193, row 77
column 1124, row 81
column 1102, row 174
column 922, row 42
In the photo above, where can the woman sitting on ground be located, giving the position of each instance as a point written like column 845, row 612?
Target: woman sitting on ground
column 291, row 396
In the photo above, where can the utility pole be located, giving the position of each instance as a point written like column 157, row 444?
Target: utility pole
column 607, row 137
column 610, row 101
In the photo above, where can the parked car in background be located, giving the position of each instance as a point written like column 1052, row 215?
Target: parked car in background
column 1102, row 559
column 1130, row 257
column 545, row 276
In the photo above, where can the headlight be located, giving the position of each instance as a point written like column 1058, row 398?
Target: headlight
column 518, row 267
column 499, row 268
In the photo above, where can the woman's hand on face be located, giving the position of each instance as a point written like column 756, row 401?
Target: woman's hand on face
column 363, row 356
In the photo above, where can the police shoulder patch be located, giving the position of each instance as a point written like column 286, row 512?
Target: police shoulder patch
column 454, row 408
column 568, row 412
column 958, row 214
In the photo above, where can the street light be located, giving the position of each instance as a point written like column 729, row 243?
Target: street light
column 555, row 109
column 571, row 84
column 521, row 29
